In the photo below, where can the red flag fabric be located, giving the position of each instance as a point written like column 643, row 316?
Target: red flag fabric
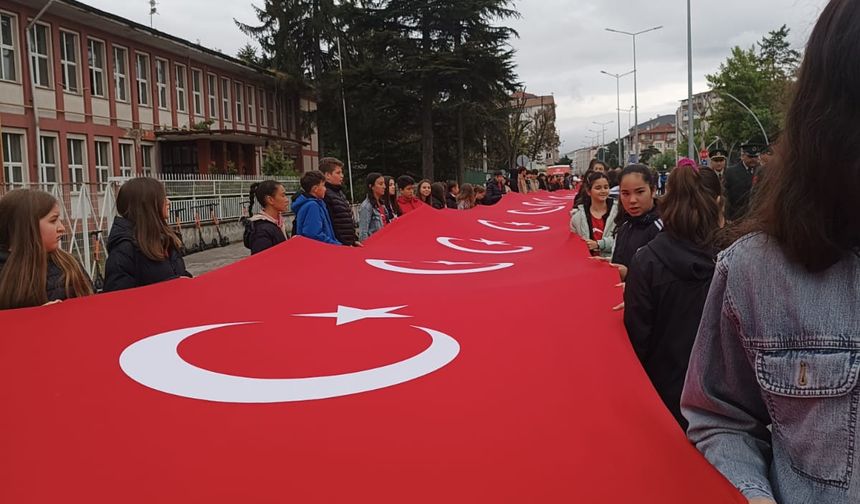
column 460, row 356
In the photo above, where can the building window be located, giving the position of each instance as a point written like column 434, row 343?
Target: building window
column 76, row 163
column 263, row 108
column 142, row 79
column 161, row 84
column 103, row 170
column 225, row 98
column 180, row 88
column 39, row 58
column 120, row 73
column 146, row 160
column 69, row 61
column 126, row 160
column 7, row 48
column 196, row 92
column 13, row 160
column 96, row 56
column 239, row 102
column 48, row 160
column 213, row 96
column 251, row 107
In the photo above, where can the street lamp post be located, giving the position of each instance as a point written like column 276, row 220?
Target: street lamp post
column 618, row 108
column 691, row 152
column 635, row 85
column 603, row 136
column 596, row 141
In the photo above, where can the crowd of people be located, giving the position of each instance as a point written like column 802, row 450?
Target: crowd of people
column 741, row 284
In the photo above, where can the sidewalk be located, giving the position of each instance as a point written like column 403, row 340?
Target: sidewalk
column 212, row 259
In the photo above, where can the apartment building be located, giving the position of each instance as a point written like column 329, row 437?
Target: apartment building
column 109, row 97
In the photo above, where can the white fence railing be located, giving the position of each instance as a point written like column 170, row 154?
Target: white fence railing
column 88, row 209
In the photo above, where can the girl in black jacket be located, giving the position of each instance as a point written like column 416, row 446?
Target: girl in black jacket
column 669, row 279
column 34, row 269
column 142, row 249
column 638, row 222
column 437, row 195
column 265, row 229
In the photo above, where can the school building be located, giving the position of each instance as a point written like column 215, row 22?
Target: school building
column 109, row 97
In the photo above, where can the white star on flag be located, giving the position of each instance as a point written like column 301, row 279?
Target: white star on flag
column 490, row 242
column 347, row 314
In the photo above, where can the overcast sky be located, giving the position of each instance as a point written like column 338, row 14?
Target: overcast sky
column 563, row 46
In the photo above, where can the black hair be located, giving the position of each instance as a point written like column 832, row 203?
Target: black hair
column 311, row 179
column 370, row 180
column 648, row 176
column 405, row 181
column 452, row 184
column 259, row 191
column 390, row 200
column 587, row 184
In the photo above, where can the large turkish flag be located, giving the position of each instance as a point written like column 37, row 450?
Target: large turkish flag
column 460, row 356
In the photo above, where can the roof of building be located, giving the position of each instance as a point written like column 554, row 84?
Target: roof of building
column 663, row 119
column 112, row 23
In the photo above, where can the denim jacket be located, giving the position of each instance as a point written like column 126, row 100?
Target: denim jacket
column 369, row 220
column 771, row 392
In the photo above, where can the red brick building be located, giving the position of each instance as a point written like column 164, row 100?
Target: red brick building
column 118, row 98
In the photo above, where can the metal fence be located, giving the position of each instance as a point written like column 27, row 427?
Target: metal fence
column 88, row 209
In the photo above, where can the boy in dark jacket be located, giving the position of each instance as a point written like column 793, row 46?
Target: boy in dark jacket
column 312, row 218
column 451, row 196
column 495, row 188
column 338, row 206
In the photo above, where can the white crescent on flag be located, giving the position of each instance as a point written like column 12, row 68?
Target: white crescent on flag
column 155, row 363
column 518, row 227
column 385, row 264
column 447, row 241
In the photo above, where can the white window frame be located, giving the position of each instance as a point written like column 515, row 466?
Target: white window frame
column 9, row 164
column 212, row 93
column 251, row 93
column 120, row 75
column 70, row 62
column 126, row 163
column 226, row 91
column 77, row 183
column 35, row 56
column 162, row 77
column 239, row 91
column 9, row 51
column 143, row 83
column 197, row 91
column 146, row 166
column 97, row 74
column 263, row 112
column 104, row 167
column 44, row 165
column 181, row 74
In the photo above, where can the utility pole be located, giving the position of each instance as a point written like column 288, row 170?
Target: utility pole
column 603, row 136
column 691, row 125
column 618, row 109
column 635, row 85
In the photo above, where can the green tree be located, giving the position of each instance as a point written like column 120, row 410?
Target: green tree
column 248, row 54
column 760, row 77
column 664, row 161
column 649, row 152
column 277, row 164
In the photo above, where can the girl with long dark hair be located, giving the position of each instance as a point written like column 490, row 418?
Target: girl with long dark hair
column 372, row 215
column 142, row 248
column 594, row 219
column 466, row 197
column 389, row 199
column 437, row 195
column 265, row 229
column 34, row 269
column 638, row 220
column 423, row 190
column 668, row 281
column 772, row 390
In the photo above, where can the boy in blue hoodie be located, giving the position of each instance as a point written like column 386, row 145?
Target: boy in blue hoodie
column 312, row 218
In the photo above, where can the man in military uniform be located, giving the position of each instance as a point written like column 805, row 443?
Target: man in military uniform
column 717, row 161
column 739, row 181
